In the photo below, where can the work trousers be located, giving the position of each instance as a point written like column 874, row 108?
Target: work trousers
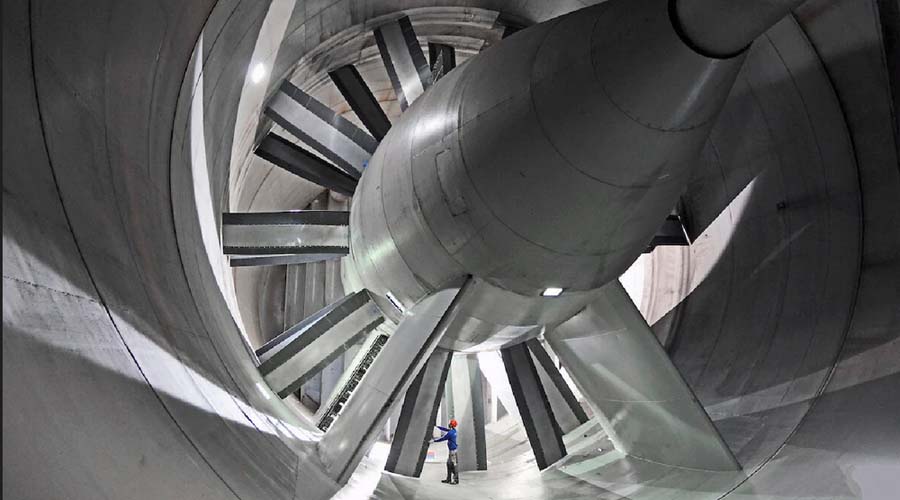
column 453, row 466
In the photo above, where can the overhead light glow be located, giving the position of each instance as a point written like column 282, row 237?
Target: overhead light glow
column 262, row 390
column 552, row 292
column 258, row 73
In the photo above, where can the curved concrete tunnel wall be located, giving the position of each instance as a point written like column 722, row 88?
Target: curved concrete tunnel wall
column 124, row 376
column 135, row 383
column 789, row 330
column 761, row 330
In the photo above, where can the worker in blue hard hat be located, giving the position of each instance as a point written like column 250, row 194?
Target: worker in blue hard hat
column 452, row 459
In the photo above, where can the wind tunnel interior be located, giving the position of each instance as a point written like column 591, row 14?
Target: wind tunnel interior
column 130, row 365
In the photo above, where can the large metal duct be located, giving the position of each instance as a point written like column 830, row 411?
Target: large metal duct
column 124, row 372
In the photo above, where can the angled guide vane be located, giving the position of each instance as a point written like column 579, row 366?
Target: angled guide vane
column 280, row 259
column 390, row 375
column 360, row 98
column 300, row 162
column 403, row 58
column 316, row 232
column 442, row 58
column 303, row 350
column 671, row 233
column 328, row 133
column 645, row 406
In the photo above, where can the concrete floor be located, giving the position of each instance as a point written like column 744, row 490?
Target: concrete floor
column 511, row 474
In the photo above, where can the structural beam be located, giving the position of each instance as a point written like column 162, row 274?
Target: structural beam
column 442, row 58
column 644, row 405
column 566, row 408
column 326, row 132
column 333, row 291
column 540, row 424
column 403, row 59
column 303, row 350
column 294, row 292
column 417, row 416
column 295, row 310
column 351, row 378
column 280, row 233
column 360, row 98
column 313, row 299
column 465, row 402
column 300, row 162
column 671, row 233
column 280, row 259
column 385, row 383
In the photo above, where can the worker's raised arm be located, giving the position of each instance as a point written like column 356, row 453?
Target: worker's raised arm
column 442, row 428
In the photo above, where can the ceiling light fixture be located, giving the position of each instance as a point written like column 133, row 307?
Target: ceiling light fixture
column 258, row 73
column 552, row 292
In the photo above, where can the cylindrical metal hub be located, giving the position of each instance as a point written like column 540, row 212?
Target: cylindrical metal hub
column 548, row 161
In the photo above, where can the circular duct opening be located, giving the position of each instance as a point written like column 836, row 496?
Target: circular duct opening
column 116, row 295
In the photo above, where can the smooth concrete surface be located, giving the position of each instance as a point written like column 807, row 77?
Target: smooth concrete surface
column 491, row 364
column 153, row 392
column 253, row 95
column 153, row 398
column 758, row 355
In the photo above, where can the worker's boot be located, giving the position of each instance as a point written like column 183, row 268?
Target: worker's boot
column 449, row 469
